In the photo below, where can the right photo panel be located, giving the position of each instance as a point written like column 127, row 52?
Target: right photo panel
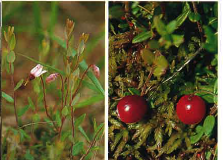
column 163, row 81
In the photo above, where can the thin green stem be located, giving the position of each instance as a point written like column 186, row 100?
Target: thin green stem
column 14, row 96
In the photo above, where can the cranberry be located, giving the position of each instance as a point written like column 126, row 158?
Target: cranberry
column 191, row 109
column 132, row 108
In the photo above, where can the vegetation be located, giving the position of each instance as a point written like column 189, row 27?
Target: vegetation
column 48, row 102
column 162, row 51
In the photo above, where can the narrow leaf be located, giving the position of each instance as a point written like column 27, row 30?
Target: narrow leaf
column 89, row 101
column 23, row 110
column 79, row 120
column 76, row 99
column 19, row 84
column 183, row 16
column 77, row 148
column 142, row 37
column 31, row 104
column 7, row 97
column 65, row 111
column 84, row 133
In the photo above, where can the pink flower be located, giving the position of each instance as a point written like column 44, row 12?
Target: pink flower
column 96, row 70
column 36, row 71
column 52, row 77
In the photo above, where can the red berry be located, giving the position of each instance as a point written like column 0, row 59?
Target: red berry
column 132, row 108
column 123, row 17
column 131, row 24
column 191, row 109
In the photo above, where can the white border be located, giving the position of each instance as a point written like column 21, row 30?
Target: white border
column 220, row 69
column 106, row 79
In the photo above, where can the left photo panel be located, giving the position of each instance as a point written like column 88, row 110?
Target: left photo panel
column 53, row 80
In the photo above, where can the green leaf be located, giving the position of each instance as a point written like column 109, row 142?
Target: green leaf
column 208, row 125
column 177, row 39
column 23, row 110
column 65, row 135
column 19, row 84
column 153, row 44
column 28, row 156
column 123, row 25
column 76, row 99
column 160, row 26
column 171, row 26
column 12, row 42
column 194, row 17
column 89, row 101
column 147, row 56
column 58, row 119
column 208, row 155
column 197, row 137
column 209, row 98
column 23, row 135
column 83, row 65
column 68, row 70
column 65, row 111
column 211, row 43
column 77, row 148
column 11, row 57
column 31, row 104
column 7, row 97
column 79, row 120
column 142, row 37
column 101, row 128
column 183, row 16
column 83, row 133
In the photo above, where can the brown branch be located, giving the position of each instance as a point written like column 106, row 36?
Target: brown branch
column 92, row 144
column 198, row 23
column 62, row 90
column 147, row 80
column 45, row 104
column 68, row 83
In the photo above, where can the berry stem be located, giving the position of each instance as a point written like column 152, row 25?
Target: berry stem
column 45, row 103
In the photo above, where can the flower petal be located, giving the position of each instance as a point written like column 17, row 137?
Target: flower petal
column 40, row 73
column 35, row 69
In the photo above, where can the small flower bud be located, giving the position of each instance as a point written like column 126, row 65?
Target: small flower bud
column 52, row 77
column 69, row 28
column 96, row 70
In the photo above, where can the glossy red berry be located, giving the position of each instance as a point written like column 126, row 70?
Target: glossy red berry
column 132, row 108
column 191, row 109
